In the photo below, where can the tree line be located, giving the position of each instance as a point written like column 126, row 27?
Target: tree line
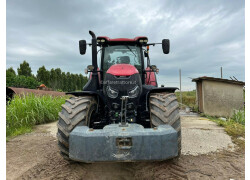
column 54, row 78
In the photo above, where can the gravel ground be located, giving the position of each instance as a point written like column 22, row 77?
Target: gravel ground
column 36, row 156
column 201, row 136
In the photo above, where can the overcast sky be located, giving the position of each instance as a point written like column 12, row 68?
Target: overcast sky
column 204, row 35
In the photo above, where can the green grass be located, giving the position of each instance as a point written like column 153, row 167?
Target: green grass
column 22, row 113
column 239, row 116
column 188, row 98
column 234, row 129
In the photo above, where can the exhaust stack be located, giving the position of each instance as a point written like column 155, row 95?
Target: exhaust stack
column 94, row 50
column 94, row 60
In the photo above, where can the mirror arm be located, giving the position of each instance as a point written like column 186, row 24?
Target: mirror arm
column 96, row 71
column 91, row 44
column 152, row 44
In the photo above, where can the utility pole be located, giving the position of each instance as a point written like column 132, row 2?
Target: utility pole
column 221, row 73
column 180, row 87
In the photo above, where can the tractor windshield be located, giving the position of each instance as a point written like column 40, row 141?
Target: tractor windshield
column 122, row 54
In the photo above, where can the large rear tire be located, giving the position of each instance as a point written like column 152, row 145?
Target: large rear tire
column 76, row 111
column 164, row 109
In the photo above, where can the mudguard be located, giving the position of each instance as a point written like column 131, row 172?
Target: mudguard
column 87, row 93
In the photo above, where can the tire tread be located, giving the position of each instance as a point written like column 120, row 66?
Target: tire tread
column 164, row 109
column 73, row 112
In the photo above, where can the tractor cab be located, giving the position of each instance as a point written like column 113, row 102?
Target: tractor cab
column 121, row 51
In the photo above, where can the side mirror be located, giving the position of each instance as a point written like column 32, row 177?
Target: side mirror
column 165, row 46
column 154, row 69
column 82, row 47
column 89, row 68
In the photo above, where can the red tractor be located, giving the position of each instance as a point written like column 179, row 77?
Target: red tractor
column 121, row 114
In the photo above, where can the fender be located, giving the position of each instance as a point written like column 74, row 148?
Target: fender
column 98, row 95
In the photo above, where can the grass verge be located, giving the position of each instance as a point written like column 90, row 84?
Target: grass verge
column 234, row 129
column 22, row 113
column 188, row 98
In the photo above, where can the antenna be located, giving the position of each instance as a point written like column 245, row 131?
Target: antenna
column 235, row 78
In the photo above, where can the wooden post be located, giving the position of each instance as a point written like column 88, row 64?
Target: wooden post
column 180, row 87
column 221, row 73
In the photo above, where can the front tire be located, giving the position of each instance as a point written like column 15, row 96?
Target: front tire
column 164, row 109
column 76, row 111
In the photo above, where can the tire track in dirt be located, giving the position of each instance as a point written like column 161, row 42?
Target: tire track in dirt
column 53, row 166
column 212, row 166
column 36, row 156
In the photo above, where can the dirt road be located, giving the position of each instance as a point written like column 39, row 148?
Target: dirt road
column 208, row 153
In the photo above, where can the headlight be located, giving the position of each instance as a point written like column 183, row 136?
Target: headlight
column 134, row 92
column 111, row 92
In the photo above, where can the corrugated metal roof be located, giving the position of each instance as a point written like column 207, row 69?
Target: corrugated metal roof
column 21, row 91
column 218, row 79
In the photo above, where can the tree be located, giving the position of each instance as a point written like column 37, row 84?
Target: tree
column 43, row 75
column 24, row 69
column 68, row 82
column 10, row 76
column 64, row 82
column 52, row 78
column 78, row 82
column 55, row 78
column 58, row 80
column 11, row 71
column 73, row 82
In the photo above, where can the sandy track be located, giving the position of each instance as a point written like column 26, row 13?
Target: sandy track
column 35, row 156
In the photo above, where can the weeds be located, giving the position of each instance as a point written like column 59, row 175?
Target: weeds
column 22, row 113
column 239, row 116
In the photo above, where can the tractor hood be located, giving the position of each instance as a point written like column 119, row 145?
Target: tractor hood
column 122, row 80
column 122, row 70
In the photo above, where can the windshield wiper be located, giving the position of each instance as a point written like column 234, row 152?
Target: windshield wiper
column 130, row 50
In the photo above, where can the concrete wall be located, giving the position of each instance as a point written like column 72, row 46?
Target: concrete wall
column 221, row 98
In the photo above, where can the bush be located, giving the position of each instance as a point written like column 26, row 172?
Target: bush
column 26, row 82
column 22, row 113
column 21, row 81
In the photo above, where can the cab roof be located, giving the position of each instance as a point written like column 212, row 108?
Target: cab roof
column 120, row 40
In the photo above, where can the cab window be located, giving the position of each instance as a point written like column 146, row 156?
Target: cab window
column 122, row 54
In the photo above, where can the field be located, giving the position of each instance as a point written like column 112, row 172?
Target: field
column 22, row 113
column 188, row 99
